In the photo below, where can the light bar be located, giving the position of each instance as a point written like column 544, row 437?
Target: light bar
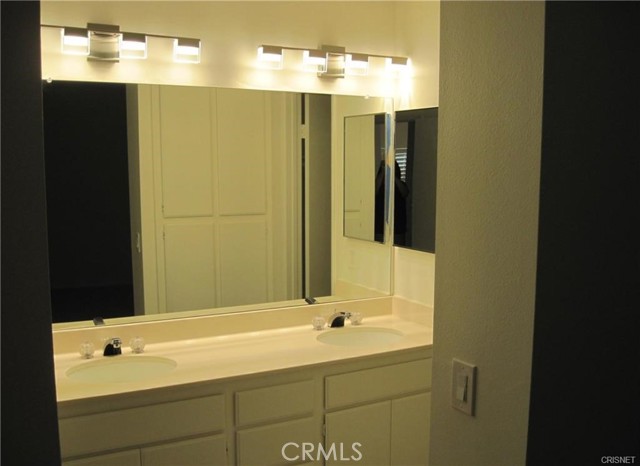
column 357, row 64
column 186, row 50
column 314, row 60
column 75, row 41
column 270, row 56
column 397, row 63
column 133, row 46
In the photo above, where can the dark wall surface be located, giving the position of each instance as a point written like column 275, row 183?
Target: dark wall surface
column 29, row 416
column 585, row 384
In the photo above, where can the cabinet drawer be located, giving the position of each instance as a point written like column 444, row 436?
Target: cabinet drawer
column 138, row 426
column 274, row 403
column 377, row 383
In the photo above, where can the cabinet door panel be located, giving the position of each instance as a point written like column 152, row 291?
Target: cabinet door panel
column 244, row 263
column 189, row 266
column 185, row 142
column 123, row 458
column 410, row 430
column 364, row 431
column 243, row 152
column 263, row 446
column 206, row 451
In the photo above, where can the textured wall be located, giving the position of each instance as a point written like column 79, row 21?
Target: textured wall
column 488, row 181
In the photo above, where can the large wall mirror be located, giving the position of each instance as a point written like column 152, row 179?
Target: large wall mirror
column 171, row 199
column 415, row 176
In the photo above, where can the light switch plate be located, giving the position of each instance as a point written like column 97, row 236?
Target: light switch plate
column 463, row 385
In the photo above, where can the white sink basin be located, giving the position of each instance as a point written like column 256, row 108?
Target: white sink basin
column 360, row 336
column 121, row 369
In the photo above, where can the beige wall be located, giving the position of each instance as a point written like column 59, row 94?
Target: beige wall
column 417, row 33
column 414, row 275
column 489, row 144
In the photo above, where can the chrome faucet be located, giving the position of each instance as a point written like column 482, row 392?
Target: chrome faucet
column 337, row 319
column 112, row 347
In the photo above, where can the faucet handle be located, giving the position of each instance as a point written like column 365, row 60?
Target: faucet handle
column 355, row 318
column 137, row 345
column 86, row 350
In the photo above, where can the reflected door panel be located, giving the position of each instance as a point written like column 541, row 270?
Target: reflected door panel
column 227, row 259
column 185, row 146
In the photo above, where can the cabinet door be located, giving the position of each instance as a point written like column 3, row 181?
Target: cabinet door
column 271, row 445
column 185, row 151
column 206, row 451
column 410, row 430
column 359, row 434
column 189, row 257
column 123, row 458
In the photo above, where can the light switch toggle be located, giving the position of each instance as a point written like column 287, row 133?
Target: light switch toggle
column 463, row 387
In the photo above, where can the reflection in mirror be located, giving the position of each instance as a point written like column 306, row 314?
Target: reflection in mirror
column 90, row 263
column 365, row 176
column 415, row 176
column 168, row 198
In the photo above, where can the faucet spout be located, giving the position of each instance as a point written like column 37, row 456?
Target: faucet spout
column 112, row 347
column 337, row 319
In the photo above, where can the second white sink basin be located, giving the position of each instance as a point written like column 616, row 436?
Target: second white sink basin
column 360, row 336
column 121, row 369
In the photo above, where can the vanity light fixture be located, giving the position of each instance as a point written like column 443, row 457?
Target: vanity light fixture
column 314, row 60
column 397, row 63
column 133, row 45
column 270, row 56
column 105, row 42
column 75, row 41
column 186, row 50
column 329, row 61
column 357, row 64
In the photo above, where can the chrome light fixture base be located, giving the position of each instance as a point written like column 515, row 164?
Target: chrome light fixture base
column 104, row 42
column 335, row 64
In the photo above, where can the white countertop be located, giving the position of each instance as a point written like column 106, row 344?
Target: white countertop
column 236, row 355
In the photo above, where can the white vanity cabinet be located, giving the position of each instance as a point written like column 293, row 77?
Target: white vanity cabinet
column 185, row 432
column 267, row 418
column 381, row 414
column 192, row 452
column 372, row 410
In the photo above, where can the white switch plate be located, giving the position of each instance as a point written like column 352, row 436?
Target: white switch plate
column 463, row 387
